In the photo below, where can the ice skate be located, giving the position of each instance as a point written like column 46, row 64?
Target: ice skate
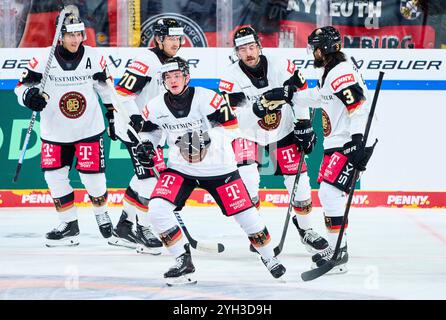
column 322, row 257
column 181, row 273
column 312, row 241
column 274, row 266
column 66, row 234
column 105, row 224
column 146, row 241
column 123, row 234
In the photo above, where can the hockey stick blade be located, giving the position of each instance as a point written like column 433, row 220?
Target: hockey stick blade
column 209, row 247
column 318, row 272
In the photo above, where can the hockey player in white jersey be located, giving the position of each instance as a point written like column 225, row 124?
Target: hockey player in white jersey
column 250, row 78
column 198, row 125
column 141, row 82
column 71, row 125
column 343, row 97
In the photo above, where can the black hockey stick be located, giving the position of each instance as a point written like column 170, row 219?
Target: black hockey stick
column 201, row 246
column 330, row 264
column 278, row 249
column 46, row 72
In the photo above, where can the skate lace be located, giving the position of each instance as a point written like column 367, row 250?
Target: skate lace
column 147, row 232
column 61, row 227
column 102, row 218
column 271, row 263
column 327, row 253
column 310, row 236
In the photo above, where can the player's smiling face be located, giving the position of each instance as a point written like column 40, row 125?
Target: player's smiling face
column 249, row 54
column 175, row 81
column 72, row 40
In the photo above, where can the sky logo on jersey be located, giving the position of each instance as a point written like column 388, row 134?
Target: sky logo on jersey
column 347, row 78
column 139, row 66
column 216, row 101
column 225, row 86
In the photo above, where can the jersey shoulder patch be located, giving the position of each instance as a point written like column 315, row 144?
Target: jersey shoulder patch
column 341, row 76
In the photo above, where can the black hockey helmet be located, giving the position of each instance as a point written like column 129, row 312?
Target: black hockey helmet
column 167, row 27
column 72, row 22
column 175, row 63
column 327, row 39
column 245, row 35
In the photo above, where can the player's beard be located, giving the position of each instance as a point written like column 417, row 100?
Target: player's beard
column 319, row 63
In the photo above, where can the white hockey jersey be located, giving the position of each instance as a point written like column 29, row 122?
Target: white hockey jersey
column 345, row 103
column 270, row 128
column 140, row 83
column 73, row 111
column 219, row 158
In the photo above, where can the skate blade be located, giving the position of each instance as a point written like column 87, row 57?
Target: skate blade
column 181, row 281
column 67, row 242
column 339, row 269
column 119, row 242
column 146, row 250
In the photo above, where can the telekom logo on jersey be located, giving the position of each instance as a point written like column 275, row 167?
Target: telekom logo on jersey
column 167, row 181
column 48, row 150
column 85, row 152
column 233, row 191
column 288, row 155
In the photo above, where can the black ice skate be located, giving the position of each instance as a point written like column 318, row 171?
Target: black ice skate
column 181, row 272
column 64, row 235
column 274, row 266
column 312, row 241
column 322, row 257
column 123, row 234
column 146, row 241
column 105, row 224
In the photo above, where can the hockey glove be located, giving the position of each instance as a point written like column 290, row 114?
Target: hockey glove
column 34, row 100
column 297, row 81
column 358, row 155
column 277, row 97
column 304, row 136
column 111, row 122
column 193, row 145
column 234, row 99
column 145, row 153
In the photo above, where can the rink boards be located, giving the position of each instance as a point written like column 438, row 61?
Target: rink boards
column 269, row 198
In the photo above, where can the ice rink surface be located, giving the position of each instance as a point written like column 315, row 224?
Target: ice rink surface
column 394, row 254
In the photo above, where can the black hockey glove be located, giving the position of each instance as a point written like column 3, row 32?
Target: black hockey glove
column 304, row 136
column 145, row 153
column 34, row 100
column 234, row 99
column 193, row 145
column 297, row 81
column 358, row 155
column 111, row 122
column 273, row 98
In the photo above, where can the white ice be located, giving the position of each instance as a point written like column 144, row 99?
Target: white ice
column 394, row 254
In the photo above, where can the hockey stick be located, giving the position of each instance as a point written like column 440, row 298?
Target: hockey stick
column 42, row 87
column 278, row 249
column 330, row 264
column 201, row 246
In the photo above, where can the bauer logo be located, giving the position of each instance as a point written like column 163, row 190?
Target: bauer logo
column 194, row 35
column 291, row 67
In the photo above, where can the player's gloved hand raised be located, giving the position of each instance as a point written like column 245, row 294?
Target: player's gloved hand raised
column 34, row 100
column 276, row 97
column 100, row 76
column 358, row 155
column 145, row 153
column 297, row 81
column 304, row 136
